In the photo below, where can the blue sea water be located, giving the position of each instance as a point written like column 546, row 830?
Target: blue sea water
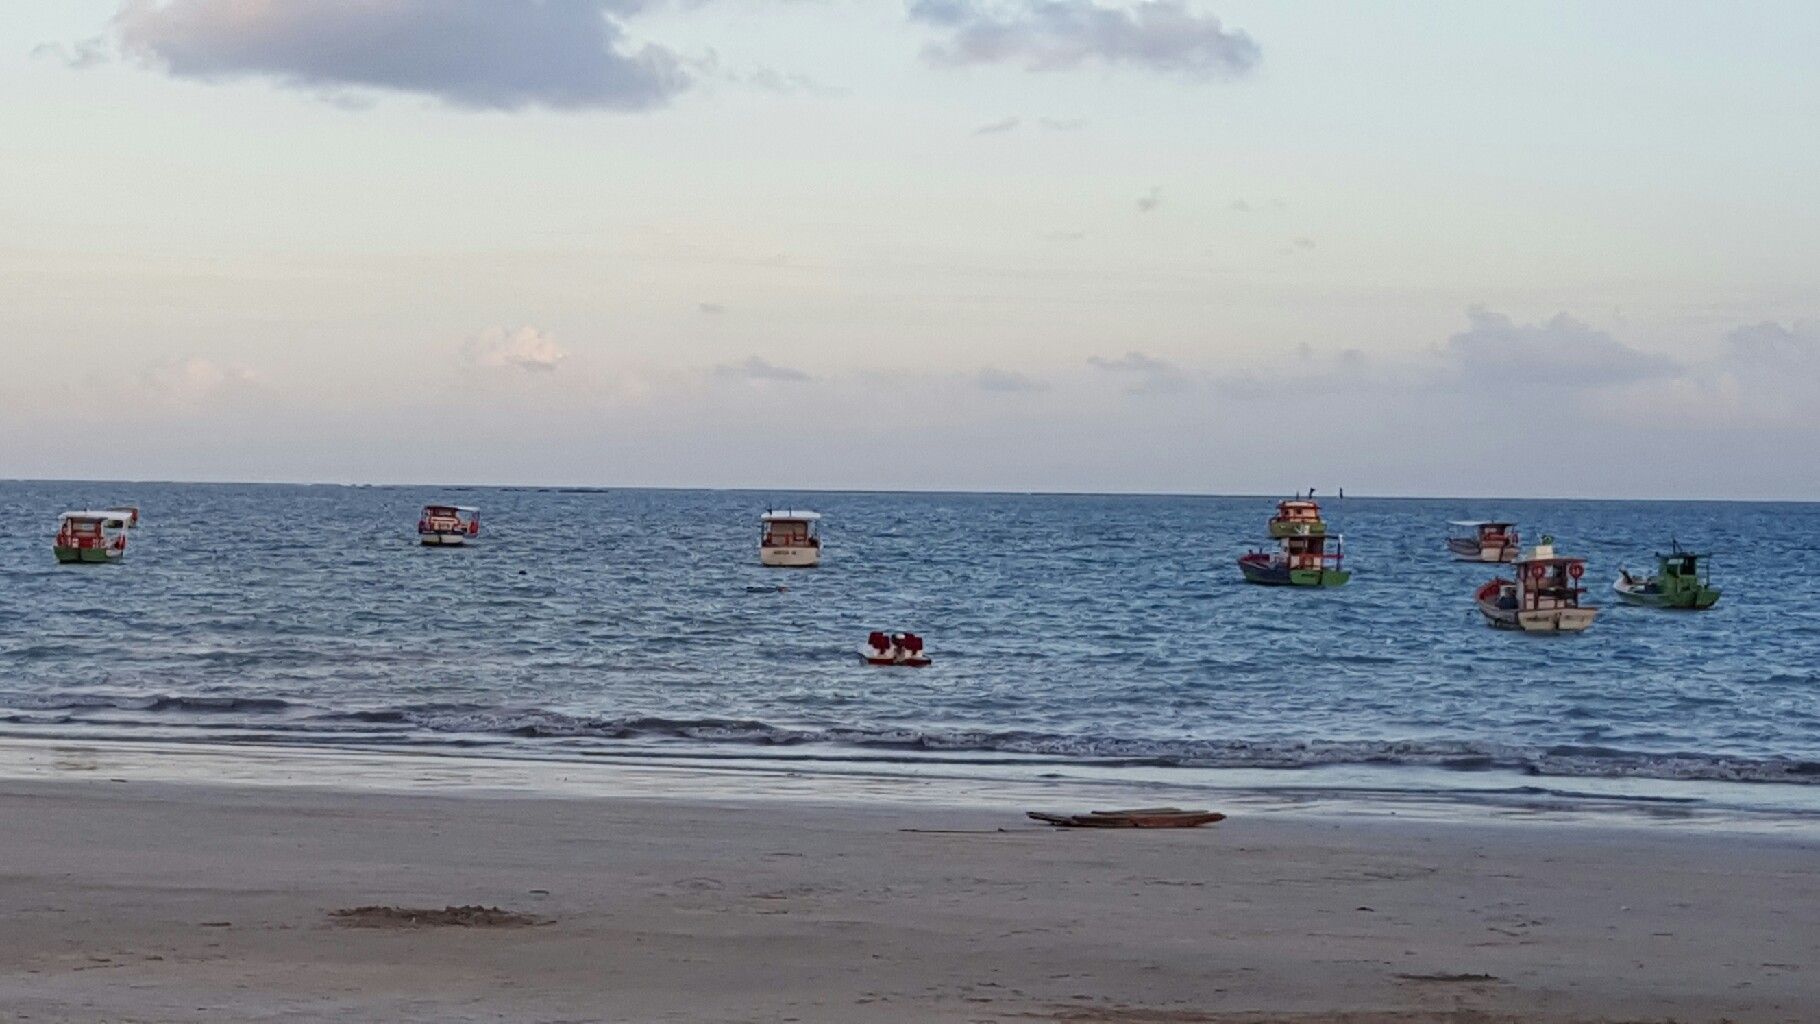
column 1104, row 631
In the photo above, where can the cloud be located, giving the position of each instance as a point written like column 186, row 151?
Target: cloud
column 1149, row 375
column 477, row 54
column 999, row 127
column 85, row 53
column 1007, row 382
column 1562, row 352
column 759, row 371
column 194, row 381
column 1150, row 200
column 711, row 308
column 1052, row 35
column 527, row 348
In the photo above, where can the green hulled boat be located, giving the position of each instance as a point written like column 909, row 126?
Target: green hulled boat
column 1682, row 580
column 97, row 538
column 1306, row 560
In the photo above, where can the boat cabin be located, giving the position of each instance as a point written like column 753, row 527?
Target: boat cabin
column 131, row 512
column 92, row 536
column 790, row 538
column 447, row 525
column 1297, row 516
column 1313, row 551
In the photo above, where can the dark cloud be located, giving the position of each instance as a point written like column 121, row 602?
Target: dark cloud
column 1150, row 200
column 1148, row 374
column 711, row 308
column 482, row 54
column 1562, row 352
column 1007, row 381
column 999, row 127
column 759, row 370
column 1051, row 35
column 85, row 53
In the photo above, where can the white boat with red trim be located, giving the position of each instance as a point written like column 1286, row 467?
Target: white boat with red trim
column 1544, row 597
column 447, row 526
column 1484, row 540
column 895, row 650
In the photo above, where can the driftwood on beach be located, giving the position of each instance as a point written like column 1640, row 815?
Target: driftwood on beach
column 1137, row 817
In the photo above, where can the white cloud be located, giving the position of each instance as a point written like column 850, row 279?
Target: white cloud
column 527, row 348
column 757, row 370
column 1051, row 35
column 1148, row 374
column 1007, row 381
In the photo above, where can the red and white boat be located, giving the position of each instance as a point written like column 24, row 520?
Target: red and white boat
column 1484, row 540
column 1544, row 598
column 447, row 525
column 902, row 650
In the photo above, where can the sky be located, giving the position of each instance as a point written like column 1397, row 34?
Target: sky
column 1185, row 246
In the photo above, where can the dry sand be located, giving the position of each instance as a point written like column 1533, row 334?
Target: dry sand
column 191, row 901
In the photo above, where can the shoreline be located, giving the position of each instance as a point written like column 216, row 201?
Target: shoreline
column 1407, row 791
column 145, row 886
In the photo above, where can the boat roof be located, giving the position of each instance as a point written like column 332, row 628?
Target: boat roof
column 789, row 516
column 458, row 508
column 109, row 513
column 1298, row 503
column 1480, row 522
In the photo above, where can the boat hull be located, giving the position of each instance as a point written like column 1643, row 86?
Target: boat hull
column 1470, row 550
column 1266, row 575
column 1690, row 599
column 1542, row 620
column 88, row 556
column 442, row 540
column 802, row 557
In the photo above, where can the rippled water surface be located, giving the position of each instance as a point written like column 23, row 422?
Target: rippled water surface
column 1065, row 629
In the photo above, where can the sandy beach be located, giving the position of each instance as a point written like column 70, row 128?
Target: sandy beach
column 127, row 896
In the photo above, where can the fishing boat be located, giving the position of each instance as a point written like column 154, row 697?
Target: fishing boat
column 790, row 539
column 1683, row 580
column 1484, row 540
column 1304, row 560
column 443, row 526
column 1296, row 517
column 900, row 650
column 1544, row 597
column 91, row 537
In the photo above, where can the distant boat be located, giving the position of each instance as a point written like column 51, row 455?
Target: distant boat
column 1683, row 580
column 1544, row 597
column 92, row 537
column 1483, row 540
column 1296, row 517
column 444, row 526
column 901, row 650
column 1305, row 560
column 790, row 539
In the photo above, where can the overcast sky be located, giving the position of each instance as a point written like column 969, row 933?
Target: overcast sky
column 1109, row 245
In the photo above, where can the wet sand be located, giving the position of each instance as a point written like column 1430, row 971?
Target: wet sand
column 156, row 900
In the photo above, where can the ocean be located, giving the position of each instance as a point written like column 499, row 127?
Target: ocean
column 1072, row 635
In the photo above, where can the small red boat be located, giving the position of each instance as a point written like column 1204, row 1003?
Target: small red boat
column 901, row 650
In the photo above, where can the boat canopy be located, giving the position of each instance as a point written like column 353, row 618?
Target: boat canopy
column 451, row 508
column 102, row 514
column 1479, row 522
column 789, row 516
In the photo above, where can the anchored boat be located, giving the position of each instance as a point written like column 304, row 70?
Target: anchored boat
column 1297, row 517
column 901, row 650
column 1305, row 560
column 1544, row 598
column 1683, row 580
column 1482, row 540
column 92, row 537
column 790, row 539
column 447, row 525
